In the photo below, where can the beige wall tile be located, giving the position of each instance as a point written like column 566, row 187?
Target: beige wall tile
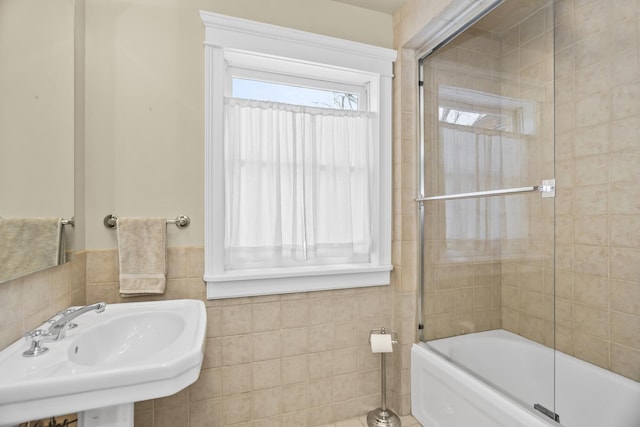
column 623, row 166
column 236, row 409
column 207, row 412
column 172, row 416
column 297, row 342
column 320, row 392
column 592, row 349
column 266, row 403
column 295, row 397
column 591, row 320
column 625, row 361
column 266, row 345
column 295, row 313
column 236, row 379
column 236, row 319
column 266, row 316
column 345, row 387
column 625, row 264
column 625, row 297
column 368, row 383
column 208, row 386
column 624, row 329
column 625, row 198
column 320, row 365
column 237, row 349
column 266, row 374
column 625, row 101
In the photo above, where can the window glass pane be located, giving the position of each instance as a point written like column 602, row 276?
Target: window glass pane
column 297, row 95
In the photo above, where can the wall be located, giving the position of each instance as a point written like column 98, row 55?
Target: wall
column 36, row 120
column 462, row 276
column 485, row 259
column 297, row 359
column 527, row 279
column 596, row 119
column 408, row 21
column 31, row 300
column 598, row 208
column 145, row 100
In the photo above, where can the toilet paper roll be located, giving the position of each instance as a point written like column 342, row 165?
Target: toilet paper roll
column 381, row 343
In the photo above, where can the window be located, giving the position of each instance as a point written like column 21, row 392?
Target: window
column 298, row 160
column 309, row 93
column 484, row 140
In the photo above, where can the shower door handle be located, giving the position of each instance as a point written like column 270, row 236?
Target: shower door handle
column 547, row 188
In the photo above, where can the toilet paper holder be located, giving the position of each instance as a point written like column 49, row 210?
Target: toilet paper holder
column 382, row 330
column 382, row 416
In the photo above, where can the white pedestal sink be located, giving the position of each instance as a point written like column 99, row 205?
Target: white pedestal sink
column 128, row 353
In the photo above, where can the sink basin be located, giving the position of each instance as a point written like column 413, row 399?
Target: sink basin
column 129, row 339
column 129, row 352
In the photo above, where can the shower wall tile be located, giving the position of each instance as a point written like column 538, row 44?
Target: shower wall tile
column 591, row 348
column 625, row 264
column 592, row 140
column 625, row 297
column 593, row 290
column 596, row 58
column 625, row 360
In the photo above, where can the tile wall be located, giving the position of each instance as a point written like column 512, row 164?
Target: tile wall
column 598, row 152
column 407, row 22
column 597, row 126
column 302, row 359
column 404, row 277
column 29, row 301
column 283, row 360
column 526, row 56
column 462, row 276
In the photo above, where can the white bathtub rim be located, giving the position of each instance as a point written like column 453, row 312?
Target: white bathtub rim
column 481, row 379
column 576, row 382
column 512, row 407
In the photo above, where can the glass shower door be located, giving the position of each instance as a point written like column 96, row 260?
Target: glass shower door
column 487, row 202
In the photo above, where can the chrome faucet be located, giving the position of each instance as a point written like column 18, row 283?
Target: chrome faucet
column 58, row 326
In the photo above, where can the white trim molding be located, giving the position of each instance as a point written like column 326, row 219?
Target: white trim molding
column 235, row 42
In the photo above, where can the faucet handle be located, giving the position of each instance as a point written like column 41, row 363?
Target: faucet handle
column 33, row 334
column 35, row 337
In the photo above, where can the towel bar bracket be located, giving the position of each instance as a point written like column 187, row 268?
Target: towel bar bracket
column 181, row 221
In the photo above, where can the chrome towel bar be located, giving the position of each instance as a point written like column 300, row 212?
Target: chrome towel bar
column 547, row 188
column 181, row 221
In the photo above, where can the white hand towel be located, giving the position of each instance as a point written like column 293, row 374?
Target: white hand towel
column 142, row 255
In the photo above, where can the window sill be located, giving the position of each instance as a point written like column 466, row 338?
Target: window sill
column 256, row 282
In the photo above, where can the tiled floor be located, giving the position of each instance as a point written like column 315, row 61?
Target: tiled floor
column 406, row 421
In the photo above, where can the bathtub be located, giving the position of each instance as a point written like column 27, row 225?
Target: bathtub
column 444, row 394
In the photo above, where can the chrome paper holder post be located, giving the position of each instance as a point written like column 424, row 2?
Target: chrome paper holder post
column 383, row 417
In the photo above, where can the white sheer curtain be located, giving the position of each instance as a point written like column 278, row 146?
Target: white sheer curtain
column 474, row 161
column 296, row 185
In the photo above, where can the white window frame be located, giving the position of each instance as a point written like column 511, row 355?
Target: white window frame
column 232, row 43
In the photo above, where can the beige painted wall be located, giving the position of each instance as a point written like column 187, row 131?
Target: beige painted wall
column 145, row 100
column 36, row 108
